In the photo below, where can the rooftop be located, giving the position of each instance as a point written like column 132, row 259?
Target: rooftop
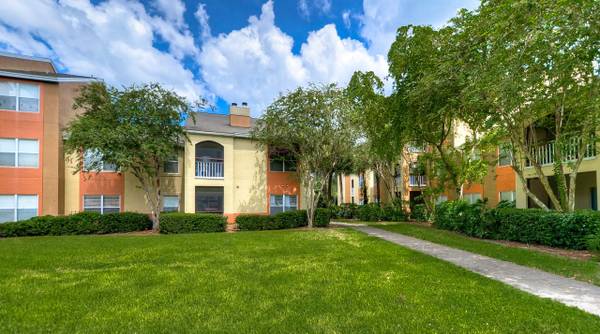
column 217, row 124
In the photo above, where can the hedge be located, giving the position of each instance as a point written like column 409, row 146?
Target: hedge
column 282, row 220
column 79, row 223
column 574, row 230
column 371, row 212
column 178, row 222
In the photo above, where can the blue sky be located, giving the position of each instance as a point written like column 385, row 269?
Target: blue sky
column 222, row 50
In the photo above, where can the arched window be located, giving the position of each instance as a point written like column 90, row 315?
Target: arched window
column 209, row 160
column 209, row 150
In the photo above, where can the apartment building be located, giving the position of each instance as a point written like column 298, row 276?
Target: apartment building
column 220, row 170
column 35, row 104
column 409, row 181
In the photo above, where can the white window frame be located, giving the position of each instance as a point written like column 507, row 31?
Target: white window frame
column 470, row 197
column 18, row 97
column 513, row 195
column 283, row 200
column 510, row 157
column 176, row 161
column 102, row 206
column 16, row 205
column 102, row 168
column 173, row 196
column 17, row 151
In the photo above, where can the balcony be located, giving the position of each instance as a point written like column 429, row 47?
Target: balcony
column 417, row 180
column 209, row 168
column 544, row 154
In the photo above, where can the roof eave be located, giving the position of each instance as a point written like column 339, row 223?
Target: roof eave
column 44, row 78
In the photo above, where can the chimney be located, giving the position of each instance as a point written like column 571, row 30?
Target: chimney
column 239, row 116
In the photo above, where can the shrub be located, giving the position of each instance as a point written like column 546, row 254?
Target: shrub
column 322, row 217
column 344, row 211
column 79, row 223
column 575, row 230
column 393, row 213
column 252, row 222
column 369, row 212
column 419, row 212
column 288, row 219
column 177, row 222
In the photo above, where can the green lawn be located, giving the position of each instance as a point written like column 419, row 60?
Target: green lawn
column 583, row 270
column 325, row 281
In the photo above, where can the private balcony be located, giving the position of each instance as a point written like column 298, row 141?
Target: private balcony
column 417, row 180
column 544, row 154
column 209, row 168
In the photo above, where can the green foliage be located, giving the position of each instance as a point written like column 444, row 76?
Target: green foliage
column 371, row 212
column 282, row 220
column 79, row 223
column 252, row 222
column 344, row 211
column 178, row 222
column 419, row 212
column 551, row 228
column 315, row 125
column 137, row 128
column 505, row 204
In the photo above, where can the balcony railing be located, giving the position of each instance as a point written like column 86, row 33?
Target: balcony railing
column 209, row 168
column 544, row 154
column 417, row 180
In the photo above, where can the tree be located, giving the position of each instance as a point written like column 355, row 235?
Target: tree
column 313, row 123
column 534, row 64
column 136, row 128
column 376, row 121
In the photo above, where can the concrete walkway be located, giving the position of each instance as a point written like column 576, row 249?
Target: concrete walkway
column 540, row 283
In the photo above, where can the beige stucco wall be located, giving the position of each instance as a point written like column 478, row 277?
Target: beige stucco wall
column 71, row 182
column 244, row 182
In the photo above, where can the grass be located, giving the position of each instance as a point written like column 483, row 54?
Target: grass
column 325, row 281
column 583, row 270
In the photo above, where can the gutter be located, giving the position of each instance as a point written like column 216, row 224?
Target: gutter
column 45, row 78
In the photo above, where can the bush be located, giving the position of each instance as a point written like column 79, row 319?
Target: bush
column 177, row 222
column 344, row 211
column 322, row 217
column 393, row 213
column 369, row 212
column 252, row 222
column 79, row 223
column 575, row 230
column 419, row 212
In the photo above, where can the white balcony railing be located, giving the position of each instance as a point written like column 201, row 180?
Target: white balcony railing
column 544, row 154
column 417, row 180
column 209, row 168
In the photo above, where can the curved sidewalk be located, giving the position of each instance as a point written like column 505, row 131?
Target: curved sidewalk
column 540, row 283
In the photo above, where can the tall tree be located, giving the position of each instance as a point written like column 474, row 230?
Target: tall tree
column 314, row 124
column 136, row 128
column 534, row 64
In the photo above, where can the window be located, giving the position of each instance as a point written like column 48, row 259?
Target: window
column 472, row 198
column 209, row 199
column 101, row 203
column 19, row 152
column 17, row 207
column 507, row 196
column 283, row 203
column 441, row 199
column 170, row 203
column 504, row 156
column 171, row 166
column 19, row 97
column 92, row 160
column 281, row 161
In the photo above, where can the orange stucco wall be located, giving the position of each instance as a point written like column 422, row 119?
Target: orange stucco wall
column 281, row 183
column 103, row 183
column 24, row 125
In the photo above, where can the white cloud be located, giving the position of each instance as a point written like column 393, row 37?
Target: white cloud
column 113, row 40
column 256, row 63
column 381, row 18
column 202, row 17
column 305, row 7
column 347, row 19
column 173, row 10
